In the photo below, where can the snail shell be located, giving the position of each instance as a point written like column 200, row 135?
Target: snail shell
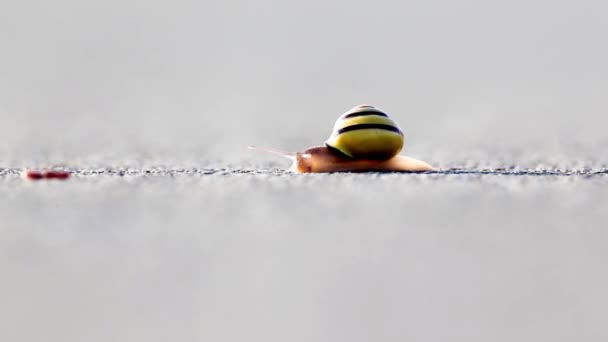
column 366, row 132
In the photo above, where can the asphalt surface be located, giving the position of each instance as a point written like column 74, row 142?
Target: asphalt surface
column 232, row 254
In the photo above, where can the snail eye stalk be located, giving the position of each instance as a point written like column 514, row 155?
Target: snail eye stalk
column 288, row 155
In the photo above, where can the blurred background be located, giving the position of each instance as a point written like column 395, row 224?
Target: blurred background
column 206, row 78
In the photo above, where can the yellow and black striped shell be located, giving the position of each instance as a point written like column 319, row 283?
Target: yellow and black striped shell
column 366, row 132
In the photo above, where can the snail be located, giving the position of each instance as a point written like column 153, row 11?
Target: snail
column 364, row 139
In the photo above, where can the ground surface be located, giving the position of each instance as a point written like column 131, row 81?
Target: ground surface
column 232, row 254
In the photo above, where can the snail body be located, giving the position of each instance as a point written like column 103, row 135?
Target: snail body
column 323, row 159
column 364, row 139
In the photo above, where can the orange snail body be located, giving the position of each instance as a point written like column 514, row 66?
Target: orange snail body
column 364, row 139
column 322, row 159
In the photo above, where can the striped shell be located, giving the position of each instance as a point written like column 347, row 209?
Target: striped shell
column 366, row 132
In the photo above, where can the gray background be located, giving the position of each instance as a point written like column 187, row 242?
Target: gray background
column 280, row 257
column 214, row 76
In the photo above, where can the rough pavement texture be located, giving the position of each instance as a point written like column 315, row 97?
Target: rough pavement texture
column 156, row 254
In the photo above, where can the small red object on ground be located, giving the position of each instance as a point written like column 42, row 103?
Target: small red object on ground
column 32, row 174
column 45, row 174
column 53, row 174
